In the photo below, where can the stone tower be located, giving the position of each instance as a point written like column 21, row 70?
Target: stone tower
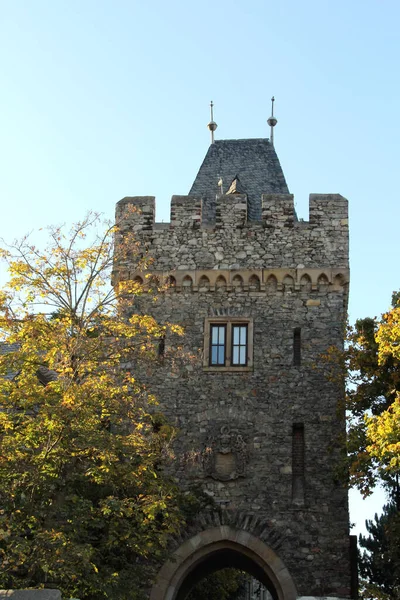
column 261, row 295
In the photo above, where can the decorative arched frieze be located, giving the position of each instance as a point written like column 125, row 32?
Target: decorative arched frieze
column 264, row 280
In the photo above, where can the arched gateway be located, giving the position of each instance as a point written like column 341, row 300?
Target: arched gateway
column 261, row 296
column 218, row 548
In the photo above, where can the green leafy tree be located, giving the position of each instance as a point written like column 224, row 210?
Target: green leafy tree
column 380, row 559
column 84, row 506
column 225, row 584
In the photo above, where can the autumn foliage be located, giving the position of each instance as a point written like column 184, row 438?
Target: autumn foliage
column 372, row 362
column 84, row 506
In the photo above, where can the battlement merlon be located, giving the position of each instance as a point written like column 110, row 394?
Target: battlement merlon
column 329, row 209
column 277, row 210
column 231, row 211
column 186, row 211
column 136, row 213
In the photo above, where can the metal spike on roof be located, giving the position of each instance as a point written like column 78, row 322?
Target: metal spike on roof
column 272, row 121
column 212, row 126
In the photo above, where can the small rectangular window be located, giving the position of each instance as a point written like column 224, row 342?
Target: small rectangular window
column 239, row 345
column 297, row 347
column 218, row 345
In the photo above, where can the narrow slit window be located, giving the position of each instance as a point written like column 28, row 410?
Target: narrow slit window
column 297, row 347
column 239, row 345
column 298, row 483
column 218, row 345
column 161, row 346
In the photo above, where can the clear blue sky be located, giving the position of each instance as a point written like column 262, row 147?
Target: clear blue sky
column 105, row 99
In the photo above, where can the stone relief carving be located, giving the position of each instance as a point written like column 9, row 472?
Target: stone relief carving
column 225, row 455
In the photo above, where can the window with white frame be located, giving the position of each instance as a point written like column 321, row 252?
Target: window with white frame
column 228, row 344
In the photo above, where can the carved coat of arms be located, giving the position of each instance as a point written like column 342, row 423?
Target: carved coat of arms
column 225, row 455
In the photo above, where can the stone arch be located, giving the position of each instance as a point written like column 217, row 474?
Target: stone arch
column 204, row 283
column 272, row 283
column 305, row 283
column 323, row 282
column 220, row 284
column 187, row 282
column 254, row 282
column 338, row 280
column 153, row 281
column 237, row 282
column 222, row 545
column 171, row 281
column 288, row 283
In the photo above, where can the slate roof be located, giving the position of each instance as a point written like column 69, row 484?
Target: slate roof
column 253, row 161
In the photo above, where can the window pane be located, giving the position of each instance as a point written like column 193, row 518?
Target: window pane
column 217, row 346
column 242, row 355
column 221, row 355
column 217, row 334
column 214, row 334
column 214, row 355
column 235, row 357
column 243, row 335
column 236, row 334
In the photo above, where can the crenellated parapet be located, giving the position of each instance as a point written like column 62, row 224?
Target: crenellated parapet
column 233, row 242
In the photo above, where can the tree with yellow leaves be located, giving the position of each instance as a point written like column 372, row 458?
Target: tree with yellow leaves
column 372, row 362
column 384, row 429
column 84, row 506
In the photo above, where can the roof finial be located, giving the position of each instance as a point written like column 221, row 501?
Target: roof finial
column 272, row 121
column 212, row 126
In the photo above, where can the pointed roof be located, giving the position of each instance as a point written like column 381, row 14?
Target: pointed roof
column 254, row 161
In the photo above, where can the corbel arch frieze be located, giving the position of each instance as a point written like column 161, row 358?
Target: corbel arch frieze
column 254, row 280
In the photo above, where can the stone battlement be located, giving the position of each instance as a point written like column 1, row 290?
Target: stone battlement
column 278, row 240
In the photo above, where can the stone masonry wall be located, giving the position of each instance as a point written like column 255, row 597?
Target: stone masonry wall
column 236, row 427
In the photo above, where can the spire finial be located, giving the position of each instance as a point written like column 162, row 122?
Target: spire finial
column 212, row 126
column 272, row 121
